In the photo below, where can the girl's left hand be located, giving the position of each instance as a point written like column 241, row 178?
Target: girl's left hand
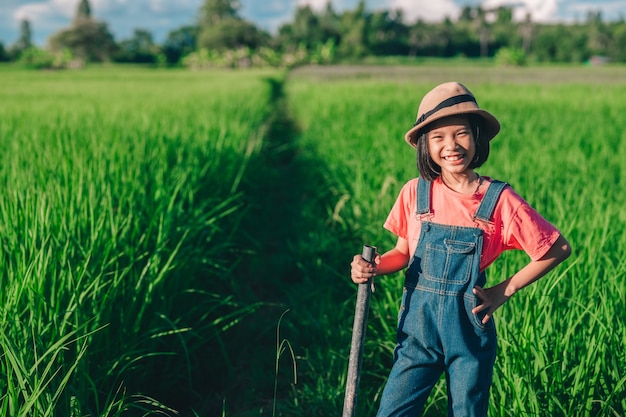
column 492, row 298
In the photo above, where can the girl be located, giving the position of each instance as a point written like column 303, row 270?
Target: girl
column 451, row 224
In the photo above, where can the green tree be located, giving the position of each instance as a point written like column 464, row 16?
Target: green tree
column 435, row 39
column 329, row 24
column 83, row 12
column 306, row 30
column 231, row 34
column 354, row 27
column 471, row 33
column 416, row 40
column 478, row 31
column 466, row 14
column 465, row 40
column 504, row 31
column 4, row 54
column 526, row 32
column 180, row 42
column 599, row 36
column 87, row 39
column 617, row 50
column 24, row 42
column 306, row 27
column 483, row 28
column 214, row 11
column 560, row 43
column 221, row 28
column 139, row 48
column 387, row 34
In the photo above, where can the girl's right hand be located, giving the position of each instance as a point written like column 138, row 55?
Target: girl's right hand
column 362, row 271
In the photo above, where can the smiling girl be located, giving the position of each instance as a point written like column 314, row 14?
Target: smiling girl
column 451, row 224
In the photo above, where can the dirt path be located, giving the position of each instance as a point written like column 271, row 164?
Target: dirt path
column 471, row 72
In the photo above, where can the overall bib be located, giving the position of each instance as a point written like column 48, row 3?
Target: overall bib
column 437, row 331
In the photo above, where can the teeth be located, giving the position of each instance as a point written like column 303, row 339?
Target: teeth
column 452, row 158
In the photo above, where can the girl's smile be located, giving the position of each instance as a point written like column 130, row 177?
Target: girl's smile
column 454, row 158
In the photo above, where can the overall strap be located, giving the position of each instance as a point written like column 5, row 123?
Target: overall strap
column 423, row 196
column 488, row 203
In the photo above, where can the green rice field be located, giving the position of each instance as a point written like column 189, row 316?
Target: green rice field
column 178, row 243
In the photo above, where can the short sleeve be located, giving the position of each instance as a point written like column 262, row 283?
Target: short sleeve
column 529, row 231
column 398, row 219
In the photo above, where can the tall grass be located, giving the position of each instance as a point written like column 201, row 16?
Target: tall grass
column 157, row 224
column 121, row 190
column 561, row 340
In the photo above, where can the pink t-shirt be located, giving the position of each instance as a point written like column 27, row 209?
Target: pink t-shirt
column 516, row 225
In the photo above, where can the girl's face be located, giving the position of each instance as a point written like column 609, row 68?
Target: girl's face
column 451, row 144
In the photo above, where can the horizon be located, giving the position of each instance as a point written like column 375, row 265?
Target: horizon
column 159, row 18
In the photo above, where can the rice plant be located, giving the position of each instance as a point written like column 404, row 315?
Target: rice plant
column 120, row 195
column 561, row 340
column 157, row 224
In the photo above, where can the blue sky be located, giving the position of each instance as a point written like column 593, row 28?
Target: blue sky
column 161, row 16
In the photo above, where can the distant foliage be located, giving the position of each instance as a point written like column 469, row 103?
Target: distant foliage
column 179, row 43
column 140, row 48
column 510, row 57
column 25, row 40
column 88, row 39
column 4, row 55
column 221, row 28
column 326, row 36
column 245, row 57
column 83, row 12
column 36, row 58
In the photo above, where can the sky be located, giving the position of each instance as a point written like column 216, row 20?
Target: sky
column 159, row 17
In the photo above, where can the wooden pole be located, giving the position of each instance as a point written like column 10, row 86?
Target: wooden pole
column 358, row 337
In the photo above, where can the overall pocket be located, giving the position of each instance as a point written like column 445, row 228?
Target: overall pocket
column 449, row 263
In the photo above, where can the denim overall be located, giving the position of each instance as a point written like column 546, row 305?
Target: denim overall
column 437, row 331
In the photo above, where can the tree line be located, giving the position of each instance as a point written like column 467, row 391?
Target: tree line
column 220, row 37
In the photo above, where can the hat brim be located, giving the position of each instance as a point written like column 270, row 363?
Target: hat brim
column 490, row 129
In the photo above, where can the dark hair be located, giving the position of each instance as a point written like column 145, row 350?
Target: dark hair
column 429, row 170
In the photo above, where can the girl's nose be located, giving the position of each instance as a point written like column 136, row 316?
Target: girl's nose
column 450, row 142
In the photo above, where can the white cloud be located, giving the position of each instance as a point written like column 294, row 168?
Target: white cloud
column 38, row 11
column 340, row 5
column 32, row 12
column 315, row 4
column 157, row 6
column 427, row 10
column 45, row 18
column 610, row 9
column 540, row 10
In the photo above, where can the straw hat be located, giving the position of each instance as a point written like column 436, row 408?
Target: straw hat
column 450, row 99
